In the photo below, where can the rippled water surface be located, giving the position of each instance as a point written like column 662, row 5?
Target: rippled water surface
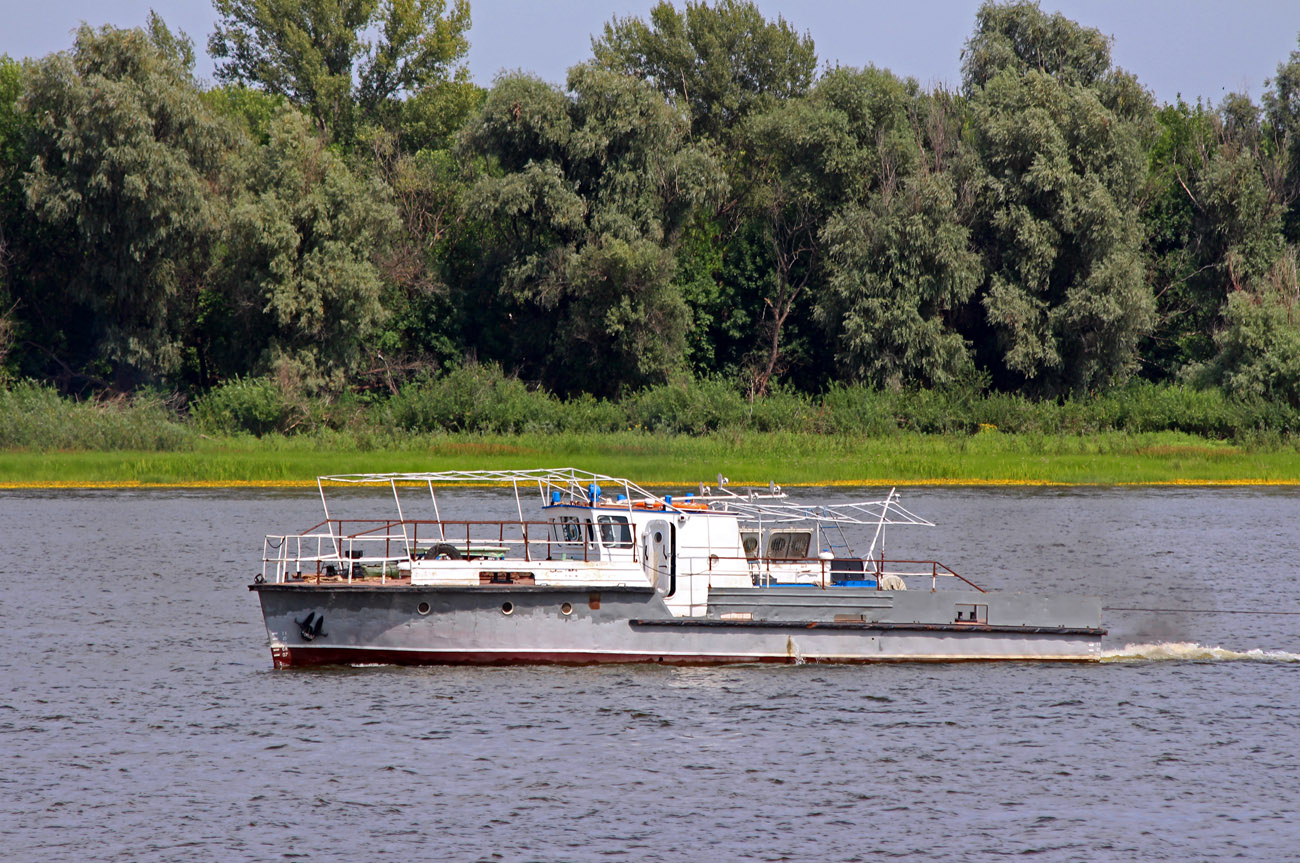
column 140, row 718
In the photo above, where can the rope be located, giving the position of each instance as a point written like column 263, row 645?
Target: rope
column 1198, row 610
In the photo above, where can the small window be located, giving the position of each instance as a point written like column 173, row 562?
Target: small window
column 570, row 531
column 789, row 545
column 750, row 542
column 615, row 531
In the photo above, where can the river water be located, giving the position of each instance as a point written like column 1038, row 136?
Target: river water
column 141, row 720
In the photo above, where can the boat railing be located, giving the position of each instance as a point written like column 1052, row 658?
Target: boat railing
column 352, row 548
column 874, row 568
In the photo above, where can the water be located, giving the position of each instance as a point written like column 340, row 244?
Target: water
column 140, row 718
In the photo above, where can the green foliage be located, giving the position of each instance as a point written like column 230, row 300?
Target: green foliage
column 1214, row 222
column 594, row 189
column 15, row 130
column 688, row 407
column 127, row 163
column 14, row 126
column 1282, row 110
column 1259, row 347
column 857, row 410
column 37, row 418
column 342, row 62
column 900, row 266
column 431, row 117
column 720, row 63
column 298, row 267
column 364, row 245
column 474, row 398
column 253, row 110
column 1061, row 135
column 1017, row 37
column 483, row 400
column 900, row 261
column 256, row 406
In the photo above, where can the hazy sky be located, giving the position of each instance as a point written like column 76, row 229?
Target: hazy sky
column 1194, row 47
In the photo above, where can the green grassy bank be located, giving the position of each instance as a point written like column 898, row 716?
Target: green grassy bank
column 749, row 457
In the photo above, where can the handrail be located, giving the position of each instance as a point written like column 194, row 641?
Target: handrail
column 872, row 566
column 344, row 543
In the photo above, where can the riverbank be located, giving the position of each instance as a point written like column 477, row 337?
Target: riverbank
column 988, row 458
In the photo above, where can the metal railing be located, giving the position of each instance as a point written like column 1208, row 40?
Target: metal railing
column 872, row 568
column 346, row 547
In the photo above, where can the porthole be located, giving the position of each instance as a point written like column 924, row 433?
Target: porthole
column 507, row 607
column 423, row 608
column 567, row 608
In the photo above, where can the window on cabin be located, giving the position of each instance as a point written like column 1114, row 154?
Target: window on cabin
column 615, row 531
column 789, row 545
column 749, row 539
column 570, row 531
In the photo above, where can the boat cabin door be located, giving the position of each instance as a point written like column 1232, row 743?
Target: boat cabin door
column 659, row 547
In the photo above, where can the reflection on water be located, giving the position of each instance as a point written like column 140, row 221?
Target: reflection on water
column 141, row 719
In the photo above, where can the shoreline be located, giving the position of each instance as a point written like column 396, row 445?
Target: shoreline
column 119, row 485
column 1152, row 459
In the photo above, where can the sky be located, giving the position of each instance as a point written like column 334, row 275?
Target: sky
column 1193, row 48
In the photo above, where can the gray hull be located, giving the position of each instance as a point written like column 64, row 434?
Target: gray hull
column 511, row 624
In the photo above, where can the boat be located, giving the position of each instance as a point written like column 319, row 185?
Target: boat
column 596, row 569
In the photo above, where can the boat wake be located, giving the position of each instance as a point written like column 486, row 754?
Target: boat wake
column 1186, row 651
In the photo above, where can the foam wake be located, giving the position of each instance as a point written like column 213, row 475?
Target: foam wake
column 1186, row 651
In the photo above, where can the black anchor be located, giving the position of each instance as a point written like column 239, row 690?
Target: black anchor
column 308, row 631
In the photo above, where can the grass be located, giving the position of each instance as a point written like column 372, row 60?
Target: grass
column 746, row 457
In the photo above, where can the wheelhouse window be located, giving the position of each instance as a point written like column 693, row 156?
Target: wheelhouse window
column 570, row 529
column 615, row 531
column 789, row 544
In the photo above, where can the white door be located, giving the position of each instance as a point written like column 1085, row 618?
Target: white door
column 659, row 544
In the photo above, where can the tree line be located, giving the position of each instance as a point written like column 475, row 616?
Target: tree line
column 343, row 210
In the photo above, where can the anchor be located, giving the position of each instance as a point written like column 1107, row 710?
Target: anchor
column 308, row 631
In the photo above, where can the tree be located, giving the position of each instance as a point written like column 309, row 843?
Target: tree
column 1259, row 345
column 299, row 287
column 719, row 63
column 1061, row 135
column 899, row 266
column 799, row 150
column 14, row 134
column 1282, row 112
column 425, row 328
column 1213, row 221
column 860, row 209
column 340, row 60
column 725, row 66
column 126, row 175
column 589, row 192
